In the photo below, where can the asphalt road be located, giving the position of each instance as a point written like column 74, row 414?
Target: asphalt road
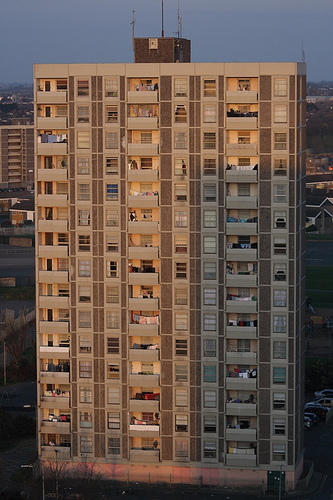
column 319, row 253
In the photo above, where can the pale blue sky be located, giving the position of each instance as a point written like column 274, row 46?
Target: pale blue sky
column 61, row 31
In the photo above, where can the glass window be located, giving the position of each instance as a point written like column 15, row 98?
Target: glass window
column 180, row 87
column 210, row 449
column 209, row 113
column 280, row 246
column 84, row 319
column 279, row 349
column 280, row 113
column 112, row 217
column 83, row 87
column 113, row 345
column 181, row 321
column 84, row 293
column 111, row 87
column 280, row 87
column 111, row 140
column 112, row 320
column 85, row 395
column 83, row 166
column 84, row 242
column 114, row 446
column 210, row 423
column 83, row 139
column 113, row 371
column 85, row 344
column 280, row 220
column 279, row 452
column 84, row 217
column 83, row 192
column 61, row 85
column 279, row 426
column 209, row 140
column 180, row 166
column 85, row 369
column 180, row 218
column 209, row 166
column 181, row 347
column 113, row 420
column 180, row 243
column 209, row 245
column 84, row 268
column 209, row 193
column 181, row 270
column 279, row 324
column 209, row 296
column 180, row 141
column 209, row 373
column 111, row 166
column 181, row 296
column 209, row 218
column 112, row 269
column 279, row 401
column 111, row 114
column 209, row 348
column 181, row 448
column 209, row 88
column 112, row 192
column 209, row 271
column 280, row 272
column 280, row 166
column 209, row 322
column 280, row 298
column 210, row 399
column 85, row 419
column 180, row 113
column 181, row 397
column 112, row 244
column 86, row 444
column 113, row 395
column 181, row 373
column 280, row 140
column 279, row 375
column 280, row 193
column 112, row 294
column 83, row 114
column 181, row 424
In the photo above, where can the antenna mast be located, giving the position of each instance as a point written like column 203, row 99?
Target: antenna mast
column 133, row 25
column 162, row 19
column 179, row 30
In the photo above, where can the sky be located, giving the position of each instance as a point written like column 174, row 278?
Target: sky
column 99, row 31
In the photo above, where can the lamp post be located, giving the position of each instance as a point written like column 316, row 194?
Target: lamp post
column 280, row 480
column 56, row 476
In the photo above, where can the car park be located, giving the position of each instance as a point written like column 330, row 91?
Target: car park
column 317, row 409
column 325, row 402
column 315, row 419
column 308, row 422
column 324, row 393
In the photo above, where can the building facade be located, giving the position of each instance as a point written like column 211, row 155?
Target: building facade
column 170, row 268
column 16, row 156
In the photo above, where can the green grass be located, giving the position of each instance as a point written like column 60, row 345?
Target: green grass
column 319, row 237
column 319, row 278
column 17, row 293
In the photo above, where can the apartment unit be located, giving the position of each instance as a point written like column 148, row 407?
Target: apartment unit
column 16, row 155
column 170, row 268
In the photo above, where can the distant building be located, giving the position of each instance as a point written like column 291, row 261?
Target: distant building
column 17, row 155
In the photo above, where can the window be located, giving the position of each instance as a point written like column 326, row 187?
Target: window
column 243, row 345
column 113, row 420
column 180, row 243
column 63, row 238
column 85, row 369
column 112, row 294
column 62, row 188
column 209, row 423
column 84, row 344
column 180, row 113
column 112, row 269
column 279, row 349
column 209, row 218
column 86, row 444
column 280, row 140
column 111, row 114
column 280, row 272
column 209, row 348
column 181, row 423
column 61, row 85
column 111, row 140
column 209, row 373
column 112, row 191
column 280, row 87
column 180, row 87
column 280, row 220
column 280, row 246
column 181, row 397
column 83, row 139
column 113, row 371
column 146, row 138
column 180, row 218
column 280, row 113
column 181, row 321
column 111, row 166
column 280, row 193
column 209, row 140
column 280, row 298
column 85, row 394
column 210, row 399
column 279, row 452
column 114, row 446
column 113, row 345
column 279, row 426
column 279, row 401
column 280, row 166
column 209, row 244
column 83, row 192
column 84, row 242
column 112, row 244
column 244, row 161
column 63, row 264
column 209, row 322
column 84, row 319
column 83, row 167
column 209, row 296
column 209, row 88
column 279, row 375
column 209, row 193
column 181, row 347
column 209, row 271
column 83, row 114
column 61, row 111
column 111, row 87
column 181, row 448
column 180, row 270
column 244, row 189
column 181, row 373
column 85, row 420
column 180, row 166
column 112, row 319
column 209, row 166
column 84, row 217
column 209, row 113
column 84, row 268
column 181, row 296
column 84, row 293
column 83, row 87
column 279, row 324
column 210, row 449
column 112, row 217
column 113, row 395
column 180, row 141
column 146, row 163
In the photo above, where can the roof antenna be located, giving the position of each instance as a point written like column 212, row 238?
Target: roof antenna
column 162, row 19
column 303, row 52
column 133, row 25
column 179, row 29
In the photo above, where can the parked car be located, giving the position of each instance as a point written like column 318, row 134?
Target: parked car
column 324, row 393
column 317, row 409
column 325, row 401
column 308, row 422
column 315, row 419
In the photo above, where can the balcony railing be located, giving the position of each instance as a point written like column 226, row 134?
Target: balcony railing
column 242, row 246
column 239, row 114
column 242, row 167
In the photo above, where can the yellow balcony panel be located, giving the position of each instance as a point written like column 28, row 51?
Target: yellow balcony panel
column 55, row 123
column 241, row 280
column 138, row 149
column 242, row 202
column 142, row 405
column 54, row 402
column 241, row 254
column 142, row 175
column 141, row 304
column 241, row 332
column 140, row 430
column 142, row 123
column 241, row 460
column 242, row 149
column 144, row 456
column 242, row 123
column 241, row 306
column 55, row 251
column 56, row 352
column 52, row 200
column 52, row 174
column 239, row 96
column 241, row 384
column 138, row 380
column 142, row 227
column 241, row 228
column 142, row 96
column 143, row 201
column 53, row 226
column 47, row 427
column 51, row 97
column 48, row 302
column 54, row 377
column 248, row 176
column 134, row 329
column 144, row 253
column 143, row 278
column 52, row 148
column 148, row 355
column 63, row 453
column 241, row 409
column 242, row 358
column 52, row 277
column 241, row 434
column 54, row 327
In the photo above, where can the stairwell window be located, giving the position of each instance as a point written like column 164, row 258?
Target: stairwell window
column 209, row 140
column 83, row 139
column 209, row 271
column 180, row 140
column 181, row 347
column 279, row 324
column 181, row 423
column 210, row 423
column 112, row 269
column 210, row 399
column 280, row 87
column 279, row 349
column 209, row 113
column 209, row 193
column 83, row 114
column 111, row 87
column 114, row 446
column 86, row 444
column 280, row 140
column 280, row 298
column 180, row 87
column 112, row 192
column 279, row 452
column 85, row 369
column 84, row 319
column 82, row 88
column 111, row 114
column 111, row 140
column 112, row 320
column 209, row 245
column 280, row 166
column 84, row 242
column 280, row 113
column 280, row 193
column 279, row 375
column 181, row 218
column 209, row 87
column 280, row 246
column 180, row 270
column 209, row 322
column 209, row 348
column 83, row 166
column 180, row 191
column 111, row 166
column 180, row 113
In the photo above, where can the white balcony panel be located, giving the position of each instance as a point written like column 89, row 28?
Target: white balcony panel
column 241, row 228
column 242, row 123
column 144, row 253
column 138, row 304
column 242, row 358
column 241, row 434
column 52, row 148
column 144, row 430
column 241, row 460
column 144, row 405
column 142, row 123
column 143, row 330
column 149, row 355
column 53, row 277
column 52, row 174
column 143, row 201
column 51, row 97
column 56, row 402
column 143, row 278
column 136, row 380
column 241, row 384
column 241, row 254
column 242, row 149
column 241, row 409
column 242, row 202
column 137, row 149
column 53, row 352
column 144, row 456
column 55, row 427
column 54, row 327
column 241, row 280
column 241, row 306
column 240, row 96
column 55, row 251
column 237, row 176
column 142, row 96
column 49, row 302
column 52, row 200
column 64, row 452
column 241, row 332
column 142, row 175
column 54, row 377
column 52, row 123
column 144, row 227
column 53, row 226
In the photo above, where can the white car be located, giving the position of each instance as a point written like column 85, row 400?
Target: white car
column 325, row 393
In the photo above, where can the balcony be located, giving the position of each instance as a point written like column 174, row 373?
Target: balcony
column 142, row 227
column 235, row 173
column 143, row 304
column 50, row 301
column 135, row 329
column 63, row 452
column 241, row 228
column 242, row 332
column 53, row 277
column 241, row 202
column 56, row 352
column 241, row 458
column 241, row 409
column 60, row 327
column 143, row 253
column 53, row 251
column 140, row 200
column 143, row 278
column 141, row 429
column 44, row 97
column 242, row 358
column 144, row 456
column 246, row 305
column 241, row 280
column 236, row 149
column 52, row 123
column 236, row 252
column 145, row 405
column 142, row 123
column 55, row 402
column 144, row 380
column 242, row 96
column 138, row 149
column 142, row 96
column 47, row 427
column 240, row 383
column 52, row 200
column 52, row 148
column 139, row 354
column 52, row 174
column 47, row 377
column 242, row 123
column 241, row 434
column 53, row 226
column 146, row 175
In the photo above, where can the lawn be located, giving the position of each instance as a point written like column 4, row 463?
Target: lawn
column 319, row 284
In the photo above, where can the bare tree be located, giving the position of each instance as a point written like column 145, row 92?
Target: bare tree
column 88, row 474
column 53, row 471
column 16, row 334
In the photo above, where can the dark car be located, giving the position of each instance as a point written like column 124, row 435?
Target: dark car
column 315, row 419
column 318, row 410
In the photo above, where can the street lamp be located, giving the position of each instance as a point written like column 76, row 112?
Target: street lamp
column 57, row 478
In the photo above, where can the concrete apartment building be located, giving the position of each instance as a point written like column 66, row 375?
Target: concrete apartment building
column 17, row 155
column 170, row 266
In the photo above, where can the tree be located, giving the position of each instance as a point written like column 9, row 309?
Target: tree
column 53, row 471
column 16, row 335
column 88, row 473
